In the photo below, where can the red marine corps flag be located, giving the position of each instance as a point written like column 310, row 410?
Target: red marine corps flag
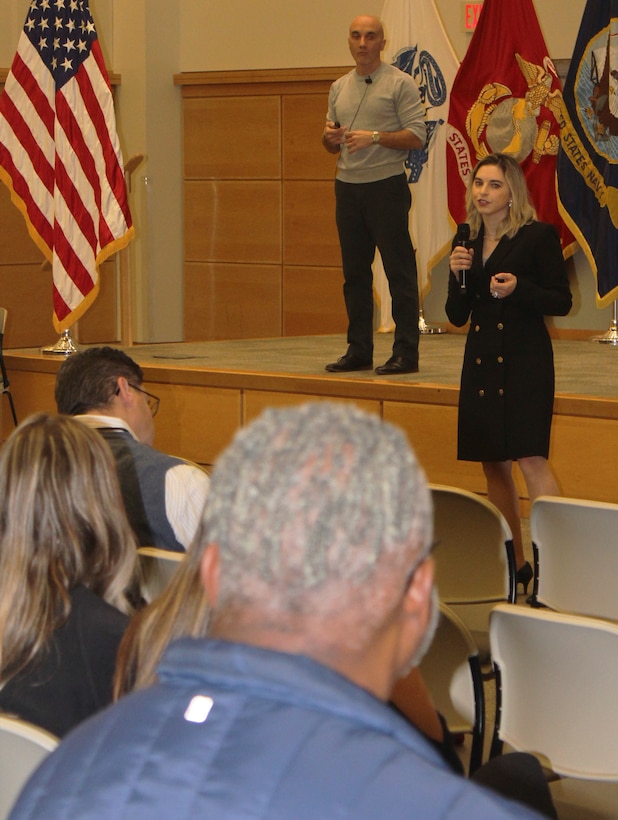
column 59, row 152
column 507, row 98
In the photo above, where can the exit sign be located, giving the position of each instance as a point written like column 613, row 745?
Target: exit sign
column 471, row 15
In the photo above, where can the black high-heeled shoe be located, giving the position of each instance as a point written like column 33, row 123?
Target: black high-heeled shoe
column 524, row 575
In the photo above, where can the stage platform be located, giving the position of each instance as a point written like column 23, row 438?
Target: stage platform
column 209, row 389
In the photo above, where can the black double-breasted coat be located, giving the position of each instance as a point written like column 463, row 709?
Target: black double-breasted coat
column 507, row 381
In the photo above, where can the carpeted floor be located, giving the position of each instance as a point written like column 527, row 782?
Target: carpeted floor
column 582, row 367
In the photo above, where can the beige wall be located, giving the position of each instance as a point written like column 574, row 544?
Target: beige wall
column 148, row 41
column 284, row 34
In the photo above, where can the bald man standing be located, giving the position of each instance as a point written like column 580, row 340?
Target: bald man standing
column 375, row 117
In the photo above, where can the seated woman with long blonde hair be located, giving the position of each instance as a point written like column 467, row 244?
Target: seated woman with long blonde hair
column 67, row 559
column 179, row 611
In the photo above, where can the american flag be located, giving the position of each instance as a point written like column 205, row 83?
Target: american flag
column 59, row 151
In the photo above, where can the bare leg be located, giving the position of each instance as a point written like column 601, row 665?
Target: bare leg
column 502, row 492
column 538, row 477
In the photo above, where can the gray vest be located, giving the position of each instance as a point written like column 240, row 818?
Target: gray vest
column 141, row 471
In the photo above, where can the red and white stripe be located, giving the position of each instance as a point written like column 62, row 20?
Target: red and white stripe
column 60, row 157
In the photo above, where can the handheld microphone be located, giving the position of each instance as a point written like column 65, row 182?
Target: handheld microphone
column 368, row 80
column 463, row 240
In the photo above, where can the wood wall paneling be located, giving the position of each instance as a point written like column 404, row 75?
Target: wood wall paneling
column 432, row 432
column 195, row 422
column 233, row 221
column 313, row 301
column 304, row 156
column 232, row 138
column 16, row 247
column 270, row 203
column 201, row 409
column 26, row 292
column 256, row 401
column 32, row 393
column 309, row 224
column 226, row 301
column 585, row 464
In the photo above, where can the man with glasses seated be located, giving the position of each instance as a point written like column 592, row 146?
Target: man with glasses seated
column 164, row 495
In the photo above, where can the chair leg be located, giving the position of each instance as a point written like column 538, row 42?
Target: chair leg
column 478, row 735
column 532, row 600
column 496, row 742
column 10, row 397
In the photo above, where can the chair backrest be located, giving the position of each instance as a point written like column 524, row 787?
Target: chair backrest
column 474, row 557
column 157, row 567
column 576, row 551
column 556, row 680
column 22, row 747
column 452, row 671
column 3, row 314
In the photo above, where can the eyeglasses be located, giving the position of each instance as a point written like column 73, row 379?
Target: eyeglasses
column 153, row 401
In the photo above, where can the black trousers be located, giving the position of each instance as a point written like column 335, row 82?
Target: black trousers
column 370, row 215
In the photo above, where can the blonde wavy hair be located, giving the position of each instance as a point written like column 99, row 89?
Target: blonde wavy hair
column 521, row 210
column 62, row 524
column 180, row 611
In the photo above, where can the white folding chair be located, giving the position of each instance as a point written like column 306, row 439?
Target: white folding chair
column 452, row 671
column 22, row 747
column 475, row 562
column 157, row 567
column 556, row 682
column 575, row 545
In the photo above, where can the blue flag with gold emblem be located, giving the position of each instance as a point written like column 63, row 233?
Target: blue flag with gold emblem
column 587, row 168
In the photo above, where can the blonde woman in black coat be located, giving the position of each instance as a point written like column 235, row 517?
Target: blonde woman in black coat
column 67, row 559
column 515, row 276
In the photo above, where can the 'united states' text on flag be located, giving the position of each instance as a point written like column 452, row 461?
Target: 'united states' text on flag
column 59, row 151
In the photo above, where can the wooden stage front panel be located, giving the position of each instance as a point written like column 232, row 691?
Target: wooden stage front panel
column 202, row 407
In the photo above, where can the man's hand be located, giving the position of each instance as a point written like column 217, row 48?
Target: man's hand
column 357, row 140
column 333, row 137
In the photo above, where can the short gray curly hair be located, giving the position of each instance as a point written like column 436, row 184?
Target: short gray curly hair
column 311, row 506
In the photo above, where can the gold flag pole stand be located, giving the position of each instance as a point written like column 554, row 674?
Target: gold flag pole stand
column 611, row 337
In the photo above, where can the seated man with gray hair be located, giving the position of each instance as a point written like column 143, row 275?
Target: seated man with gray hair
column 316, row 535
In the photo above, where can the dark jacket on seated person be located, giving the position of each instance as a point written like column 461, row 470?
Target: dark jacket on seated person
column 70, row 679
